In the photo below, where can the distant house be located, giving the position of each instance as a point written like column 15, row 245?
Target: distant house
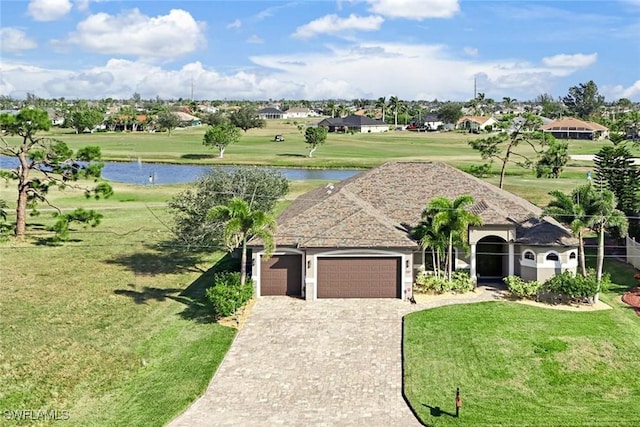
column 299, row 113
column 270, row 113
column 572, row 128
column 187, row 120
column 56, row 118
column 432, row 121
column 362, row 124
column 475, row 123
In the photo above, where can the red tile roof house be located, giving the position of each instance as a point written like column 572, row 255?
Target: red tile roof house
column 350, row 239
column 572, row 128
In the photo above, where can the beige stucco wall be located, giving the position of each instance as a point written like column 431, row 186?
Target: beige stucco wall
column 542, row 269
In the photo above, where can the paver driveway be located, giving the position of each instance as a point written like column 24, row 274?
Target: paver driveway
column 331, row 362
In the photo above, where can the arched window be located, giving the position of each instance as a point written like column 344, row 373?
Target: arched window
column 553, row 257
column 572, row 255
column 529, row 255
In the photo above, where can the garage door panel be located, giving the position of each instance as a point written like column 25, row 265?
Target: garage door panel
column 358, row 277
column 281, row 275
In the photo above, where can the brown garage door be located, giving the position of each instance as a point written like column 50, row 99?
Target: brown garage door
column 358, row 277
column 281, row 275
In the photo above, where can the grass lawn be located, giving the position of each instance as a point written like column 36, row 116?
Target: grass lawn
column 522, row 365
column 100, row 326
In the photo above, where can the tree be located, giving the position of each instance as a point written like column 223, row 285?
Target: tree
column 583, row 100
column 450, row 113
column 315, row 136
column 381, row 103
column 242, row 223
column 615, row 170
column 260, row 187
column 606, row 217
column 167, row 120
column 246, row 118
column 394, row 106
column 507, row 103
column 220, row 136
column 550, row 108
column 213, row 119
column 554, row 159
column 503, row 145
column 85, row 118
column 452, row 218
column 428, row 237
column 53, row 160
column 572, row 210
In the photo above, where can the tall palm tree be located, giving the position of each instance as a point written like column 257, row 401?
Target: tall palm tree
column 382, row 104
column 570, row 209
column 606, row 218
column 394, row 105
column 452, row 217
column 241, row 224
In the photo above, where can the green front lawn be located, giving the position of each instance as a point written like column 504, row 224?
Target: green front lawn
column 108, row 326
column 523, row 365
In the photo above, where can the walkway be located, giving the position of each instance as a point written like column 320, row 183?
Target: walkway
column 332, row 362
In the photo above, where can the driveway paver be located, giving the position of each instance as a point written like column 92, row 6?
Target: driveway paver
column 330, row 362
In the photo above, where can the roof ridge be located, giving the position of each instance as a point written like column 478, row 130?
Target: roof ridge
column 369, row 209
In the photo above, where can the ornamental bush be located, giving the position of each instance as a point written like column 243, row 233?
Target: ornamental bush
column 227, row 295
column 522, row 289
column 460, row 282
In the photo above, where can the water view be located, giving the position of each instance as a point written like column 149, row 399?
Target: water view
column 143, row 173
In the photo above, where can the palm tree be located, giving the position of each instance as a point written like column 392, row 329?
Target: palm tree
column 382, row 103
column 453, row 218
column 606, row 218
column 241, row 224
column 394, row 105
column 570, row 210
column 428, row 237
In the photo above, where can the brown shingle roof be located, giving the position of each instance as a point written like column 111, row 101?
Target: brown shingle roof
column 573, row 123
column 368, row 209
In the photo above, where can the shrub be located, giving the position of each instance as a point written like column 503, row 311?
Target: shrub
column 522, row 289
column 577, row 287
column 227, row 295
column 462, row 281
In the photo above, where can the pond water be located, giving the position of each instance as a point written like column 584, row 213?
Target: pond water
column 160, row 173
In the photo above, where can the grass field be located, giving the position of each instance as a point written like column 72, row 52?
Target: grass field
column 100, row 327
column 522, row 365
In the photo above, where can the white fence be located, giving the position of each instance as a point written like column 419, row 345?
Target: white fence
column 633, row 252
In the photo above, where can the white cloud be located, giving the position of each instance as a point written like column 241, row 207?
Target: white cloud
column 82, row 5
column 578, row 60
column 471, row 51
column 415, row 9
column 15, row 40
column 235, row 24
column 132, row 33
column 346, row 71
column 613, row 93
column 48, row 10
column 333, row 24
column 255, row 40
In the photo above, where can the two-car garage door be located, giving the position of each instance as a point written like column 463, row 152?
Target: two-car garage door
column 337, row 277
column 358, row 277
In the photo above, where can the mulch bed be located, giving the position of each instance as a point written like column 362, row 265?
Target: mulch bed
column 633, row 299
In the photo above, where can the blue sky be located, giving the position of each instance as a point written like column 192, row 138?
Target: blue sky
column 346, row 49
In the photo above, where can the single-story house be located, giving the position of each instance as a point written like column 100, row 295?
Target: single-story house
column 572, row 128
column 352, row 239
column 270, row 113
column 299, row 113
column 475, row 123
column 187, row 119
column 362, row 124
column 432, row 121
